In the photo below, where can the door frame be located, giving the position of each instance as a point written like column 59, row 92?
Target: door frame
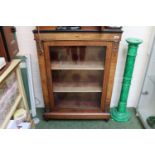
column 109, row 49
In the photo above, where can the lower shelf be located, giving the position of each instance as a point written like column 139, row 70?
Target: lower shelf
column 77, row 115
column 78, row 105
column 77, row 87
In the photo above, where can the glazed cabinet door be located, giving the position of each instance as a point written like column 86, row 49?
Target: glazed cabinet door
column 77, row 75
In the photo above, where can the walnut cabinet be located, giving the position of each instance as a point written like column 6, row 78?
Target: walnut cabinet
column 77, row 71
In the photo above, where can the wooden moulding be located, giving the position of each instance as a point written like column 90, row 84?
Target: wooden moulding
column 91, row 28
column 78, row 115
column 47, row 27
column 82, row 27
column 78, row 36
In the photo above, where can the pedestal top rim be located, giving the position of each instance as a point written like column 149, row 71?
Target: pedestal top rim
column 135, row 41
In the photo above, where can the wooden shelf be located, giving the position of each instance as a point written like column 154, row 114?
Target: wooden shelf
column 76, row 87
column 75, row 104
column 12, row 66
column 9, row 115
column 66, row 65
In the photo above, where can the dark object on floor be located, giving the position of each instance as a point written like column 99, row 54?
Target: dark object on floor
column 151, row 121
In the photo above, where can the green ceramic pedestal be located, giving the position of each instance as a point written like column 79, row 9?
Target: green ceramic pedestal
column 120, row 113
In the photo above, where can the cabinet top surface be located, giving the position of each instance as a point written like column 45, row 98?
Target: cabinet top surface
column 80, row 31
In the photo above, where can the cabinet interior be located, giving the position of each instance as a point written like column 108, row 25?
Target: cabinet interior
column 77, row 75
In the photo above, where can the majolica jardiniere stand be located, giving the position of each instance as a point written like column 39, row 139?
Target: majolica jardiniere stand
column 120, row 113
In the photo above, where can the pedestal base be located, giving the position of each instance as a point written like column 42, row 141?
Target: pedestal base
column 118, row 116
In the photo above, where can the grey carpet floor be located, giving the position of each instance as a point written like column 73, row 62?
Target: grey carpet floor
column 134, row 123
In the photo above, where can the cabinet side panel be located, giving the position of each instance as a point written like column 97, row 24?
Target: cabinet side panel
column 43, row 75
column 49, row 76
column 112, row 74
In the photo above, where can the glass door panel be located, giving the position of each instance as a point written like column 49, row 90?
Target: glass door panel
column 77, row 76
column 86, row 58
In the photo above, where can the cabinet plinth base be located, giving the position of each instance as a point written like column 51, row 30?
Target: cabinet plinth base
column 69, row 115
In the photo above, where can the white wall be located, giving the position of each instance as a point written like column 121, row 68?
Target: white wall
column 27, row 46
column 146, row 34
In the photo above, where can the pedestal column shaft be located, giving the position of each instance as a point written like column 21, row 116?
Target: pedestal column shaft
column 129, row 67
column 120, row 113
